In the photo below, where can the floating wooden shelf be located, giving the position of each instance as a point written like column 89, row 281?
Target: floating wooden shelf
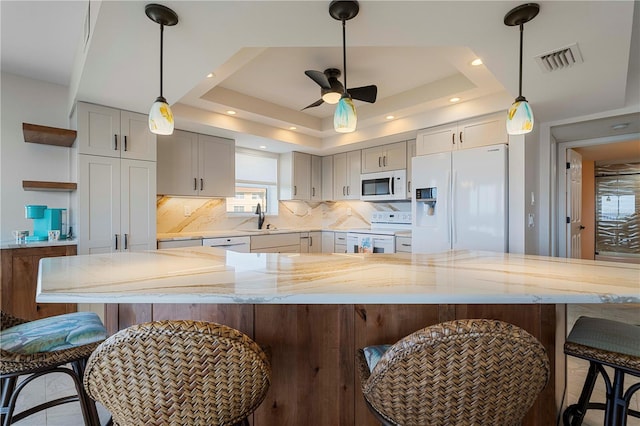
column 38, row 185
column 48, row 135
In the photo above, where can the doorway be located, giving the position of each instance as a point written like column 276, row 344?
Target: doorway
column 608, row 150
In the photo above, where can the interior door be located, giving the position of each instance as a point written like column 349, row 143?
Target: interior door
column 574, row 204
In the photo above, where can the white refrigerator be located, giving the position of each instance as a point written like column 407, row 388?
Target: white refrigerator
column 460, row 200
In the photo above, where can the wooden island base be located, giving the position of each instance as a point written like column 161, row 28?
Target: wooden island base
column 313, row 347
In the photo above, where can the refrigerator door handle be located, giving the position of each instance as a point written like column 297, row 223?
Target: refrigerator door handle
column 454, row 235
column 449, row 210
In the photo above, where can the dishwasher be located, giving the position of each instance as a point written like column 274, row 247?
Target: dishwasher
column 239, row 244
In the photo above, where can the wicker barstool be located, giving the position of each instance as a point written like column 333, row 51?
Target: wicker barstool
column 610, row 343
column 480, row 372
column 32, row 349
column 178, row 373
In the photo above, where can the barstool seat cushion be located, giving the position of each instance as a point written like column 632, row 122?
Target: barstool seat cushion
column 53, row 333
column 607, row 335
column 372, row 354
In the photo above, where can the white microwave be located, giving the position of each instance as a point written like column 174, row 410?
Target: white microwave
column 383, row 186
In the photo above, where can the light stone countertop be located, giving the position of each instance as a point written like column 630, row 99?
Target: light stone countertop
column 194, row 235
column 209, row 275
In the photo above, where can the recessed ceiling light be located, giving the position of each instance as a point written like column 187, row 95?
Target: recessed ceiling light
column 292, row 128
column 210, row 75
column 620, row 126
column 390, row 117
column 262, row 147
column 476, row 62
column 231, row 112
column 454, row 100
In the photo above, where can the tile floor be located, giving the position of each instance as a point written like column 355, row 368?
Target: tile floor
column 50, row 387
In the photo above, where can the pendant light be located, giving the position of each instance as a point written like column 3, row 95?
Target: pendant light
column 160, row 115
column 520, row 115
column 344, row 118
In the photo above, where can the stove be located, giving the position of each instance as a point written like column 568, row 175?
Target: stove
column 380, row 237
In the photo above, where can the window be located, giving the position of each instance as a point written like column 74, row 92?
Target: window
column 256, row 182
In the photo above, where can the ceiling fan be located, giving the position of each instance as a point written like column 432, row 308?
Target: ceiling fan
column 331, row 89
column 345, row 118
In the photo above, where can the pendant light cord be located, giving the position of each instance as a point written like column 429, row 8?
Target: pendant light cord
column 161, row 50
column 520, row 79
column 344, row 53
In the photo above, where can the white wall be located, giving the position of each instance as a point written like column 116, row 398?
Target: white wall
column 37, row 102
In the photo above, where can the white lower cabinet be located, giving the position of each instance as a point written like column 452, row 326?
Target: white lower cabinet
column 340, row 242
column 116, row 204
column 327, row 242
column 403, row 244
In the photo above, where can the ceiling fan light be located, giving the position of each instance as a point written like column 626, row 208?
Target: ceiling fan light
column 161, row 117
column 331, row 97
column 519, row 118
column 345, row 118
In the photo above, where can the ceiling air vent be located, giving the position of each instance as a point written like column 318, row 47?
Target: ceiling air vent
column 560, row 58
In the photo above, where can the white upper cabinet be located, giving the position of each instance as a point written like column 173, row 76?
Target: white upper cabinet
column 190, row 164
column 110, row 132
column 316, row 178
column 327, row 177
column 216, row 166
column 386, row 157
column 300, row 177
column 346, row 175
column 481, row 131
column 295, row 176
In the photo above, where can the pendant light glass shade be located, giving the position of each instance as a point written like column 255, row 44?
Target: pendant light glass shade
column 161, row 117
column 519, row 118
column 345, row 118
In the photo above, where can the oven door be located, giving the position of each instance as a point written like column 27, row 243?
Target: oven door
column 370, row 243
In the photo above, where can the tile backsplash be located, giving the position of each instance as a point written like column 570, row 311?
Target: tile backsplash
column 209, row 214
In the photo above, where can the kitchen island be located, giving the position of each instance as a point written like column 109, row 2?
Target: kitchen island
column 315, row 310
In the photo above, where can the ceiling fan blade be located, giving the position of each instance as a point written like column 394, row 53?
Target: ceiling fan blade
column 319, row 77
column 364, row 93
column 315, row 104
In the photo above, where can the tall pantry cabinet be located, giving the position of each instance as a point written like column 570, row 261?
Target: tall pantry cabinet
column 116, row 173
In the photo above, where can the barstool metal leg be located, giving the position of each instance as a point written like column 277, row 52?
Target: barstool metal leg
column 574, row 414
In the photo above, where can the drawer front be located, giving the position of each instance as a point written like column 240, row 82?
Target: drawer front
column 403, row 244
column 225, row 241
column 274, row 240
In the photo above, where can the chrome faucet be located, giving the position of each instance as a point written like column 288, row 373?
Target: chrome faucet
column 260, row 216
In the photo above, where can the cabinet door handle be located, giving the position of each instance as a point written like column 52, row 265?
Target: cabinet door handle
column 384, row 161
column 379, row 158
column 310, row 241
column 195, row 184
column 409, row 186
column 201, row 184
column 116, row 242
column 125, row 143
column 460, row 137
column 295, row 190
column 344, row 190
column 313, row 191
column 453, row 138
column 348, row 189
column 126, row 241
column 115, row 142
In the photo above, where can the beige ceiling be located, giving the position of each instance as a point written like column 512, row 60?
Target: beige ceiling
column 416, row 52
